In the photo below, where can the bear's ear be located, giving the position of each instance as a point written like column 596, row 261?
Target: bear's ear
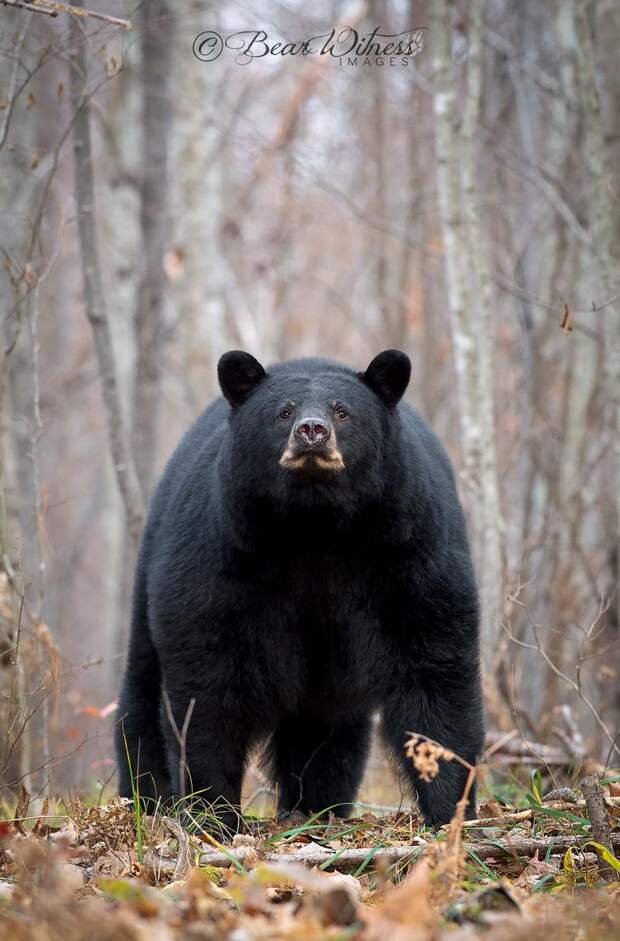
column 388, row 375
column 239, row 374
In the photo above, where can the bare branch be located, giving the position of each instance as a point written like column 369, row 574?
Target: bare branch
column 53, row 8
column 180, row 735
column 26, row 5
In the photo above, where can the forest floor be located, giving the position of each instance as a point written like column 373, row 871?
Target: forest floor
column 532, row 863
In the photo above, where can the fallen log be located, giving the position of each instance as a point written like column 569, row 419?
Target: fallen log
column 515, row 748
column 347, row 860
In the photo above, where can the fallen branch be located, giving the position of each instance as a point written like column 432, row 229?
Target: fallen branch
column 507, row 761
column 519, row 748
column 518, row 816
column 158, row 862
column 314, row 855
column 184, row 857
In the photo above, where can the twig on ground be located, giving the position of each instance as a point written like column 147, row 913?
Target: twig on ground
column 508, row 818
column 184, row 856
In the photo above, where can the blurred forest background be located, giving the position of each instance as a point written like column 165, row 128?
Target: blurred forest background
column 157, row 210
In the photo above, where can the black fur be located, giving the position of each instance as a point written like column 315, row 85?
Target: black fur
column 292, row 605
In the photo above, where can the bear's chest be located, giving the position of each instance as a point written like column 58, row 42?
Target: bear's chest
column 327, row 589
column 331, row 611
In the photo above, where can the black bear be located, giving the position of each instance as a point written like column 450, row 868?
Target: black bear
column 304, row 565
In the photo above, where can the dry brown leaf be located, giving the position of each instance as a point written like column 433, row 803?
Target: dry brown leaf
column 567, row 318
column 174, row 263
column 406, row 913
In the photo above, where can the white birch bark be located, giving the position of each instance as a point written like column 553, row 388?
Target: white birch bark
column 454, row 235
column 471, row 318
column 483, row 329
column 471, row 314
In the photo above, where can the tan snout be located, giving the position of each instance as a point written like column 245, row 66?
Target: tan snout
column 312, row 445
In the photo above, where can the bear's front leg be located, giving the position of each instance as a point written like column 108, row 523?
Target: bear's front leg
column 443, row 703
column 207, row 770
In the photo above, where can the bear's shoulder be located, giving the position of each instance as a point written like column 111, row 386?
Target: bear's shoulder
column 194, row 457
column 418, row 438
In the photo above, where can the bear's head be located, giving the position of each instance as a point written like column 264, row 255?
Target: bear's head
column 311, row 430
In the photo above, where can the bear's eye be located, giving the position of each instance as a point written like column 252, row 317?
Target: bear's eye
column 286, row 412
column 341, row 413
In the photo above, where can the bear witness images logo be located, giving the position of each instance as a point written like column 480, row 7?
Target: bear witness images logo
column 344, row 44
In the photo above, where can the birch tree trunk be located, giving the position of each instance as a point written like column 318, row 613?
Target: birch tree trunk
column 454, row 235
column 471, row 318
column 491, row 547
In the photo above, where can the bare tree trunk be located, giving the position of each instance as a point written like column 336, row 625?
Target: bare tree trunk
column 156, row 125
column 199, row 192
column 602, row 220
column 124, row 466
column 18, row 519
column 156, row 129
column 454, row 235
column 491, row 554
column 380, row 208
column 470, row 303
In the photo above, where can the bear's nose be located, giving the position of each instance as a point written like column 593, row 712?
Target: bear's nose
column 311, row 431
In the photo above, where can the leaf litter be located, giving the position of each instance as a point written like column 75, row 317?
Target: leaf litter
column 80, row 874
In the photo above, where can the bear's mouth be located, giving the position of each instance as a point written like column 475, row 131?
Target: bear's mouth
column 312, row 460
